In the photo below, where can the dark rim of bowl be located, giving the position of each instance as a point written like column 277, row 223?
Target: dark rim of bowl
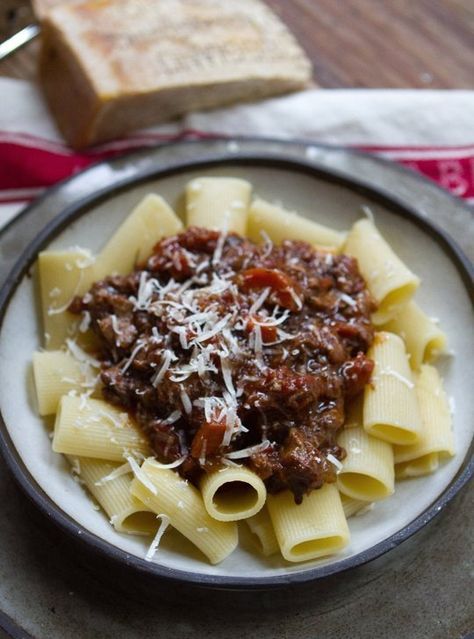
column 98, row 545
column 249, row 139
column 11, row 628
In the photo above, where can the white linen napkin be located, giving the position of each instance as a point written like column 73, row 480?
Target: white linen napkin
column 430, row 131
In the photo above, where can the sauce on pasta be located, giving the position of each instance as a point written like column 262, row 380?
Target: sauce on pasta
column 227, row 352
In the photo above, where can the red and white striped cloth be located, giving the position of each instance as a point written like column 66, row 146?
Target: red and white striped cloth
column 431, row 132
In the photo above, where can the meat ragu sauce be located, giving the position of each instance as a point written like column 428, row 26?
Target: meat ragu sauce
column 218, row 345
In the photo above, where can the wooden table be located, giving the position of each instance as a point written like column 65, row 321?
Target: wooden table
column 352, row 43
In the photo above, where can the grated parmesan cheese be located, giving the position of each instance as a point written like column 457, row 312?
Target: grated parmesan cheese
column 335, row 462
column 140, row 475
column 138, row 347
column 186, row 401
column 227, row 375
column 64, row 307
column 367, row 211
column 218, row 250
column 124, row 469
column 165, row 521
column 347, row 299
column 273, row 321
column 80, row 355
column 268, row 243
column 260, row 300
column 296, row 299
column 171, row 419
column 250, row 450
column 85, row 322
column 202, row 456
column 54, row 292
column 174, row 464
column 86, row 259
column 167, row 357
column 391, row 373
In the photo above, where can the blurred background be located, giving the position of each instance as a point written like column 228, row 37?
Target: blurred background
column 351, row 43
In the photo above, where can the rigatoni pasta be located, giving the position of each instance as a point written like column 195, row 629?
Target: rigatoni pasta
column 436, row 437
column 312, row 529
column 233, row 493
column 94, row 428
column 424, row 465
column 390, row 408
column 424, row 340
column 110, row 486
column 57, row 373
column 280, row 224
column 165, row 492
column 163, row 343
column 133, row 241
column 218, row 203
column 389, row 280
column 261, row 527
column 62, row 275
column 353, row 507
column 367, row 473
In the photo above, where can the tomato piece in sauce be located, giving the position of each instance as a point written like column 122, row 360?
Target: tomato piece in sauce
column 208, row 439
column 269, row 333
column 285, row 288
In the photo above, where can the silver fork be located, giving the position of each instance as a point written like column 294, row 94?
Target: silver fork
column 18, row 40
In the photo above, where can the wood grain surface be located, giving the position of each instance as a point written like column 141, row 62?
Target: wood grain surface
column 385, row 43
column 352, row 43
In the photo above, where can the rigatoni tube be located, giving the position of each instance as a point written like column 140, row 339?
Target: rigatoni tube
column 112, row 491
column 62, row 276
column 367, row 472
column 262, row 528
column 56, row 373
column 219, row 203
column 436, row 438
column 280, row 224
column 132, row 243
column 94, row 428
column 233, row 493
column 389, row 280
column 391, row 408
column 165, row 492
column 424, row 340
column 315, row 528
column 354, row 506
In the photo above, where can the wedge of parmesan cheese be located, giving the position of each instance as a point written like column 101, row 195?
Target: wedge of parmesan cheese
column 110, row 66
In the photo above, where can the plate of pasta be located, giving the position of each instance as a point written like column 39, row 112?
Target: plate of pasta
column 238, row 373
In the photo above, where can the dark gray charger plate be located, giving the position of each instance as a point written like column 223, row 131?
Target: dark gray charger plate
column 405, row 186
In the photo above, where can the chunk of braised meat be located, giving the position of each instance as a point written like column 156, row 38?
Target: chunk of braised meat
column 355, row 337
column 172, row 259
column 164, row 440
column 299, row 466
column 356, row 374
column 284, row 390
column 119, row 389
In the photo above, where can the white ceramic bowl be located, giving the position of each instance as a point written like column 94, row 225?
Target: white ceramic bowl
column 318, row 195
